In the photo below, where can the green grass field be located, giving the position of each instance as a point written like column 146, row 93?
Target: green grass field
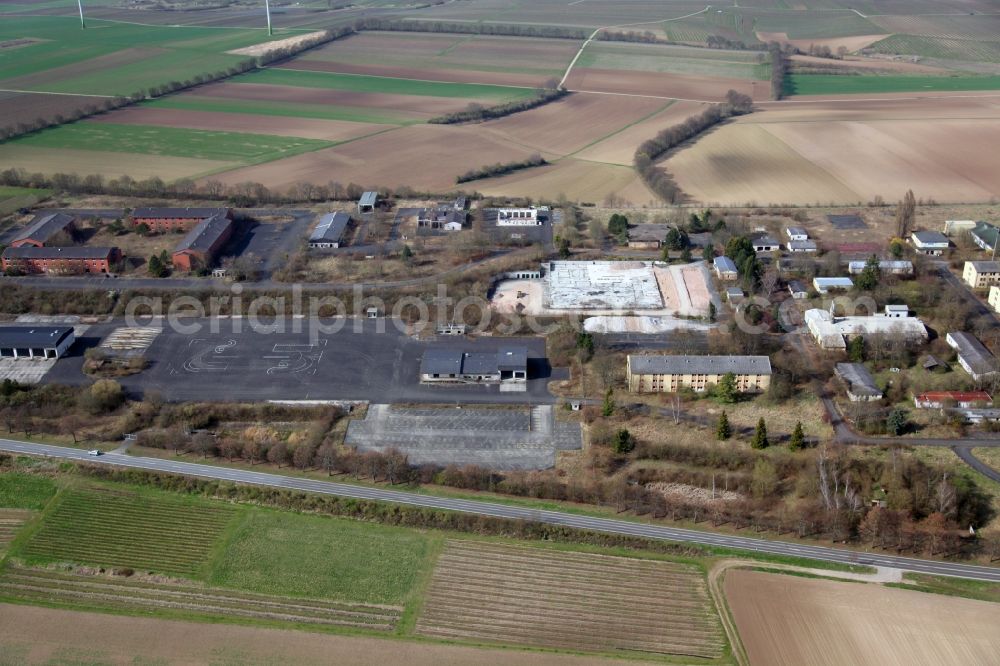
column 822, row 84
column 315, row 556
column 159, row 54
column 172, row 141
column 116, row 527
column 281, row 109
column 24, row 491
column 379, row 84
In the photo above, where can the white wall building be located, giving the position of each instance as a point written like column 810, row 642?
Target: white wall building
column 518, row 217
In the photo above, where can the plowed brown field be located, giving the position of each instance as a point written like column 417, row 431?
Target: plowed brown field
column 26, row 107
column 845, row 153
column 422, row 156
column 654, row 84
column 427, row 74
column 620, row 148
column 31, row 635
column 573, row 122
column 579, row 601
column 784, row 620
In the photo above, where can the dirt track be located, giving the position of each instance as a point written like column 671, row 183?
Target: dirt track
column 31, row 635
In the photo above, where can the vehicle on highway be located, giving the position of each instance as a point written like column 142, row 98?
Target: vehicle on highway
column 94, row 452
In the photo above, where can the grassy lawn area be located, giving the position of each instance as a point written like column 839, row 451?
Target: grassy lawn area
column 25, row 491
column 172, row 141
column 833, row 84
column 380, row 84
column 276, row 552
column 280, row 109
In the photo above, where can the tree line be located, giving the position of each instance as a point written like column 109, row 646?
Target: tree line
column 644, row 161
column 500, row 169
column 497, row 29
column 72, row 115
column 779, row 67
column 477, row 112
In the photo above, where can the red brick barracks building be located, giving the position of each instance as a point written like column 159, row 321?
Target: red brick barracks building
column 203, row 243
column 47, row 229
column 160, row 220
column 60, row 260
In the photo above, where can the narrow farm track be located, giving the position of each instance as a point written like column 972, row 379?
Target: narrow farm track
column 567, row 519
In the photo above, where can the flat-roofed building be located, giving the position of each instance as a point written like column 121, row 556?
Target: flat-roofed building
column 765, row 244
column 797, row 289
column 861, row 386
column 455, row 365
column 329, row 231
column 981, row 274
column 669, row 374
column 932, row 243
column 202, row 244
column 518, row 217
column 824, row 285
column 47, row 229
column 162, row 219
column 886, row 266
column 973, row 355
column 801, row 246
column 832, row 332
column 73, row 260
column 35, row 341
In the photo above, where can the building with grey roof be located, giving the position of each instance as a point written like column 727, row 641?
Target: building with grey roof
column 981, row 274
column 669, row 374
column 888, row 266
column 973, row 355
column 455, row 365
column 824, row 285
column 368, row 202
column 796, row 233
column 725, row 268
column 797, row 289
column 765, row 243
column 801, row 246
column 45, row 229
column 861, row 386
column 35, row 341
column 932, row 243
column 72, row 260
column 200, row 246
column 163, row 219
column 329, row 231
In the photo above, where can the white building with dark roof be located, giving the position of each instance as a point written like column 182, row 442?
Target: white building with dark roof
column 832, row 332
column 35, row 341
column 932, row 243
column 453, row 365
column 973, row 355
column 329, row 231
column 981, row 274
column 668, row 374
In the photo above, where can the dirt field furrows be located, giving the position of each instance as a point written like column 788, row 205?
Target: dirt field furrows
column 425, row 74
column 308, row 128
column 788, row 621
column 11, row 521
column 846, row 153
column 411, row 105
column 27, row 107
column 102, row 591
column 668, row 86
column 421, row 156
column 579, row 180
column 509, row 594
column 619, row 148
column 572, row 122
column 61, row 636
column 35, row 159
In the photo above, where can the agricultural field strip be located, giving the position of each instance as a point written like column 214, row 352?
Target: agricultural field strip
column 491, row 592
column 620, row 130
column 95, row 527
column 23, row 583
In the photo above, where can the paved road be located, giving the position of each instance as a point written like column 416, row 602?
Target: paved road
column 608, row 525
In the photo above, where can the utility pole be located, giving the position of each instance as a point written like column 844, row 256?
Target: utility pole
column 267, row 8
column 79, row 3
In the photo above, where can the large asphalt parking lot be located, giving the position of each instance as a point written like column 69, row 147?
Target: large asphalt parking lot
column 365, row 360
